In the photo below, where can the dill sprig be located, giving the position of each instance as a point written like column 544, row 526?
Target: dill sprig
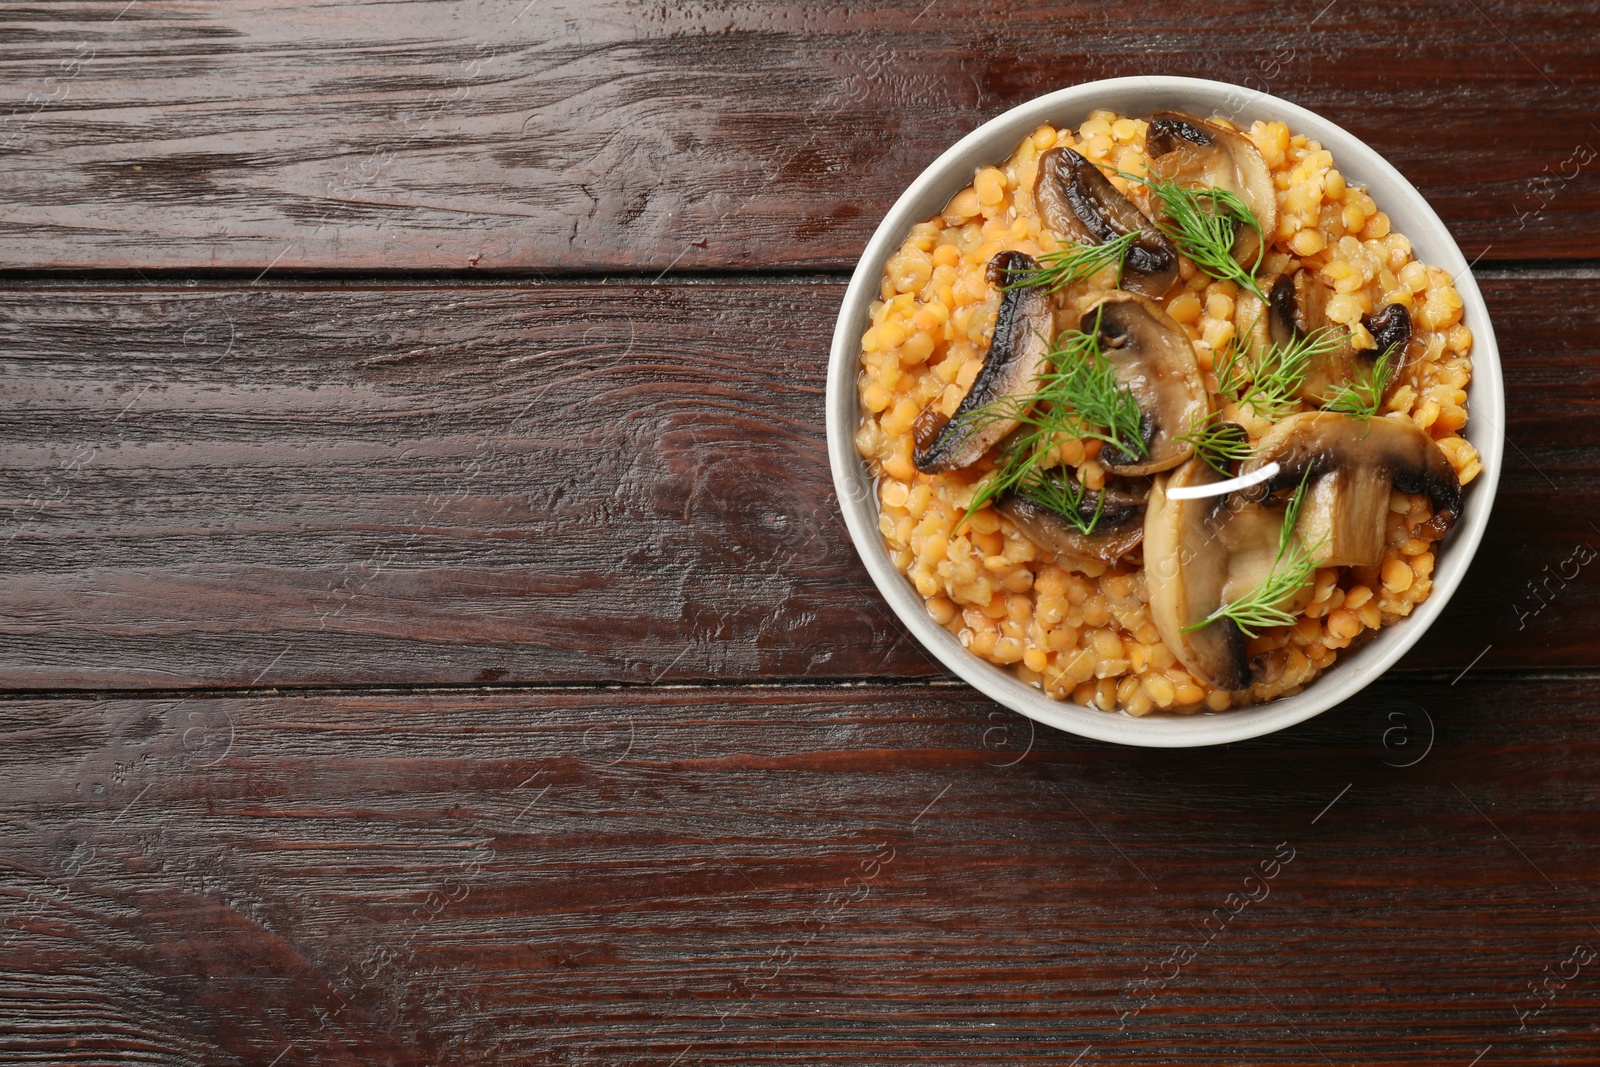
column 1291, row 513
column 1218, row 442
column 1059, row 269
column 1267, row 386
column 1361, row 399
column 1022, row 457
column 1078, row 397
column 1204, row 223
column 1063, row 495
column 1084, row 396
column 1259, row 608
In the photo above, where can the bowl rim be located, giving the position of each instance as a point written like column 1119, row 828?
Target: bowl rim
column 993, row 142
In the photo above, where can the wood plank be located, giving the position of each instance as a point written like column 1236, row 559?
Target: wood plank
column 602, row 135
column 550, row 483
column 834, row 876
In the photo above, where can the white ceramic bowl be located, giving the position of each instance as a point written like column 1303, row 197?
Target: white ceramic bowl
column 993, row 142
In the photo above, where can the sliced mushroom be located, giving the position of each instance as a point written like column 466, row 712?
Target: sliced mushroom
column 1200, row 554
column 1389, row 326
column 1169, row 129
column 1297, row 306
column 1262, row 325
column 1326, row 370
column 1198, row 154
column 1354, row 465
column 1081, row 204
column 1016, row 355
column 1153, row 357
column 1117, row 531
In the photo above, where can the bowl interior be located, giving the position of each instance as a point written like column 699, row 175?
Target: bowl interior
column 1409, row 213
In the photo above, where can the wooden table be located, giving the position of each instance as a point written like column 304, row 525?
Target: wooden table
column 430, row 637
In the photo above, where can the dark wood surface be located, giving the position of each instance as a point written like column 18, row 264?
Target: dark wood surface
column 583, row 134
column 888, row 874
column 294, row 485
column 427, row 635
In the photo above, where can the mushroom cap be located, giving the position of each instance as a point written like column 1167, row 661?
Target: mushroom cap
column 1197, row 154
column 1262, row 324
column 1081, row 204
column 1297, row 305
column 1203, row 553
column 1250, row 323
column 1023, row 327
column 1153, row 357
column 1390, row 327
column 1306, row 309
column 1186, row 566
column 1354, row 464
column 1117, row 532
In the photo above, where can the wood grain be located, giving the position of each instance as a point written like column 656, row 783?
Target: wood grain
column 551, row 484
column 612, row 135
column 891, row 874
column 439, row 536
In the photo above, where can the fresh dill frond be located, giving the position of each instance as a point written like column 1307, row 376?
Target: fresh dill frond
column 1269, row 384
column 1229, row 367
column 1078, row 396
column 1084, row 396
column 1207, row 236
column 1064, row 496
column 1057, row 270
column 1021, row 457
column 1204, row 223
column 1219, row 443
column 1291, row 513
column 1361, row 399
column 1259, row 609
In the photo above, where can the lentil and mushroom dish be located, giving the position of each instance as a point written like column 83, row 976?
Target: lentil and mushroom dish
column 1163, row 414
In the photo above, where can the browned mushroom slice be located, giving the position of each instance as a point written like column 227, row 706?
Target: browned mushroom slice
column 1327, row 369
column 1200, row 554
column 1116, row 532
column 1354, row 466
column 1260, row 325
column 1390, row 327
column 1011, row 367
column 1153, row 358
column 1080, row 204
column 1198, row 154
column 1170, row 129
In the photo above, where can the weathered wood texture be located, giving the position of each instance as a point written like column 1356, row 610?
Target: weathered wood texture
column 565, row 483
column 575, row 135
column 888, row 875
column 584, row 483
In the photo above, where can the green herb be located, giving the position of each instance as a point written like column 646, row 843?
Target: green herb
column 1203, row 223
column 1268, row 385
column 1219, row 443
column 1362, row 399
column 1229, row 367
column 1021, row 457
column 1078, row 397
column 1057, row 270
column 1258, row 609
column 1084, row 396
column 1063, row 495
column 1291, row 513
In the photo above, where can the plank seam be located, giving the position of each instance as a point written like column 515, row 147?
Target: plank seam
column 1531, row 270
column 1425, row 676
